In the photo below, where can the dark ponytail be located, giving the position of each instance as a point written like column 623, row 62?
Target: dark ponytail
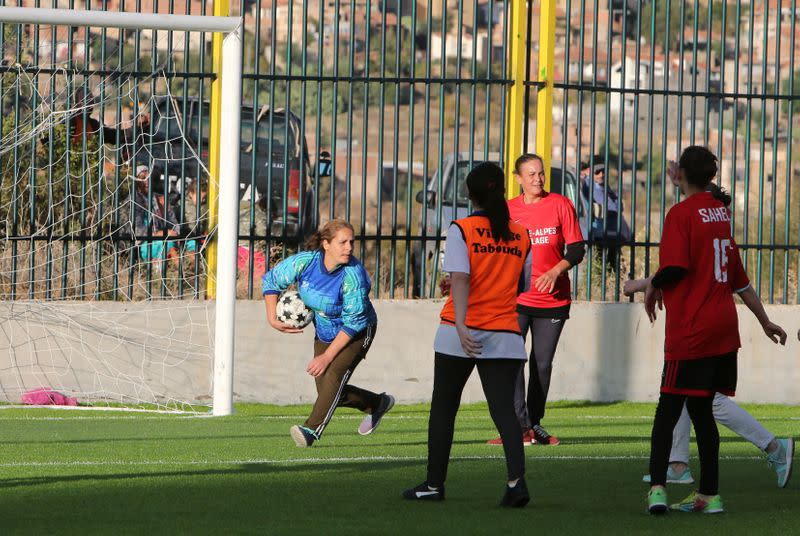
column 719, row 193
column 487, row 188
column 700, row 167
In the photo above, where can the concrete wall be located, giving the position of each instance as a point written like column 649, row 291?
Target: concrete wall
column 607, row 352
column 161, row 350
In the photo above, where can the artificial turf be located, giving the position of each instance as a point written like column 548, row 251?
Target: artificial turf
column 78, row 472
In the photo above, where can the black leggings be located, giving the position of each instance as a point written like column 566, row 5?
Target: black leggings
column 545, row 333
column 705, row 428
column 450, row 374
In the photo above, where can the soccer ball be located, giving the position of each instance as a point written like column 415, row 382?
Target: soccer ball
column 292, row 311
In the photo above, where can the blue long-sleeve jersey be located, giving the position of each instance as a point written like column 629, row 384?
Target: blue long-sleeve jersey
column 339, row 299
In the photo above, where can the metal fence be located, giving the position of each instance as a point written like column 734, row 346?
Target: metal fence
column 375, row 111
column 75, row 122
column 390, row 91
column 637, row 82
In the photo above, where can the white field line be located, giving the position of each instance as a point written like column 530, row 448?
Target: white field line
column 103, row 409
column 314, row 461
column 162, row 416
column 107, row 418
column 486, row 416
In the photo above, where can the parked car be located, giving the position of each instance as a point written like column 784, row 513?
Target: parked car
column 273, row 158
column 440, row 211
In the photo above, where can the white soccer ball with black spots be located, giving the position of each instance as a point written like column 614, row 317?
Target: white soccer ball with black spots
column 292, row 311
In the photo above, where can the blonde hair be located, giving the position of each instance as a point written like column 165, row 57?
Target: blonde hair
column 327, row 232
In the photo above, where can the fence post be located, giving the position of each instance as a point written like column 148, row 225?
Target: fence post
column 544, row 101
column 517, row 48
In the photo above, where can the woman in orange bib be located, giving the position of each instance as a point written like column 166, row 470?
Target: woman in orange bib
column 485, row 254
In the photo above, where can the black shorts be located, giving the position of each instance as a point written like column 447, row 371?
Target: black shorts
column 700, row 377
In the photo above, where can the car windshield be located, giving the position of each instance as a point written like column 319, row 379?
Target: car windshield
column 561, row 186
column 558, row 184
column 462, row 170
column 279, row 134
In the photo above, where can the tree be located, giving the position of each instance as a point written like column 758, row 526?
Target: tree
column 675, row 26
column 56, row 186
column 676, row 29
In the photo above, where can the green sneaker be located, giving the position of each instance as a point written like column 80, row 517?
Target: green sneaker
column 675, row 478
column 781, row 460
column 657, row 501
column 693, row 503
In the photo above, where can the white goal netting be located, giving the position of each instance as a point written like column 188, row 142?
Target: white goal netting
column 103, row 217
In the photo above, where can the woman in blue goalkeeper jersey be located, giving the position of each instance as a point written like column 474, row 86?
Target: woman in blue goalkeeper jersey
column 335, row 285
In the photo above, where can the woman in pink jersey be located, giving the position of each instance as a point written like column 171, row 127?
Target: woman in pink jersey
column 699, row 271
column 556, row 246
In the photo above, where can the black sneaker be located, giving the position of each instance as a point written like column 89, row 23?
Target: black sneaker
column 303, row 437
column 424, row 492
column 541, row 437
column 516, row 497
column 370, row 422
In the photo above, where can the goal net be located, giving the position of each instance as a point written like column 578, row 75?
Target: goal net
column 105, row 221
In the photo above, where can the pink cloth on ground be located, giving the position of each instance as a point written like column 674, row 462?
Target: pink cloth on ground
column 44, row 396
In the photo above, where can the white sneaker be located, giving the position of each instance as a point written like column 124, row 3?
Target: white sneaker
column 675, row 478
column 781, row 460
column 370, row 422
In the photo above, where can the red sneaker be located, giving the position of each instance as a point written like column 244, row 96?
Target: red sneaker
column 527, row 439
column 541, row 437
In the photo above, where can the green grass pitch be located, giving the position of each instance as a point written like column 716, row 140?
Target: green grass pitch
column 78, row 472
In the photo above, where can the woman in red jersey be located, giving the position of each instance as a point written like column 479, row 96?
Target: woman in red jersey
column 699, row 270
column 556, row 246
column 485, row 255
column 779, row 451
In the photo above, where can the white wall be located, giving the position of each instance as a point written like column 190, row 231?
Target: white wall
column 607, row 352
